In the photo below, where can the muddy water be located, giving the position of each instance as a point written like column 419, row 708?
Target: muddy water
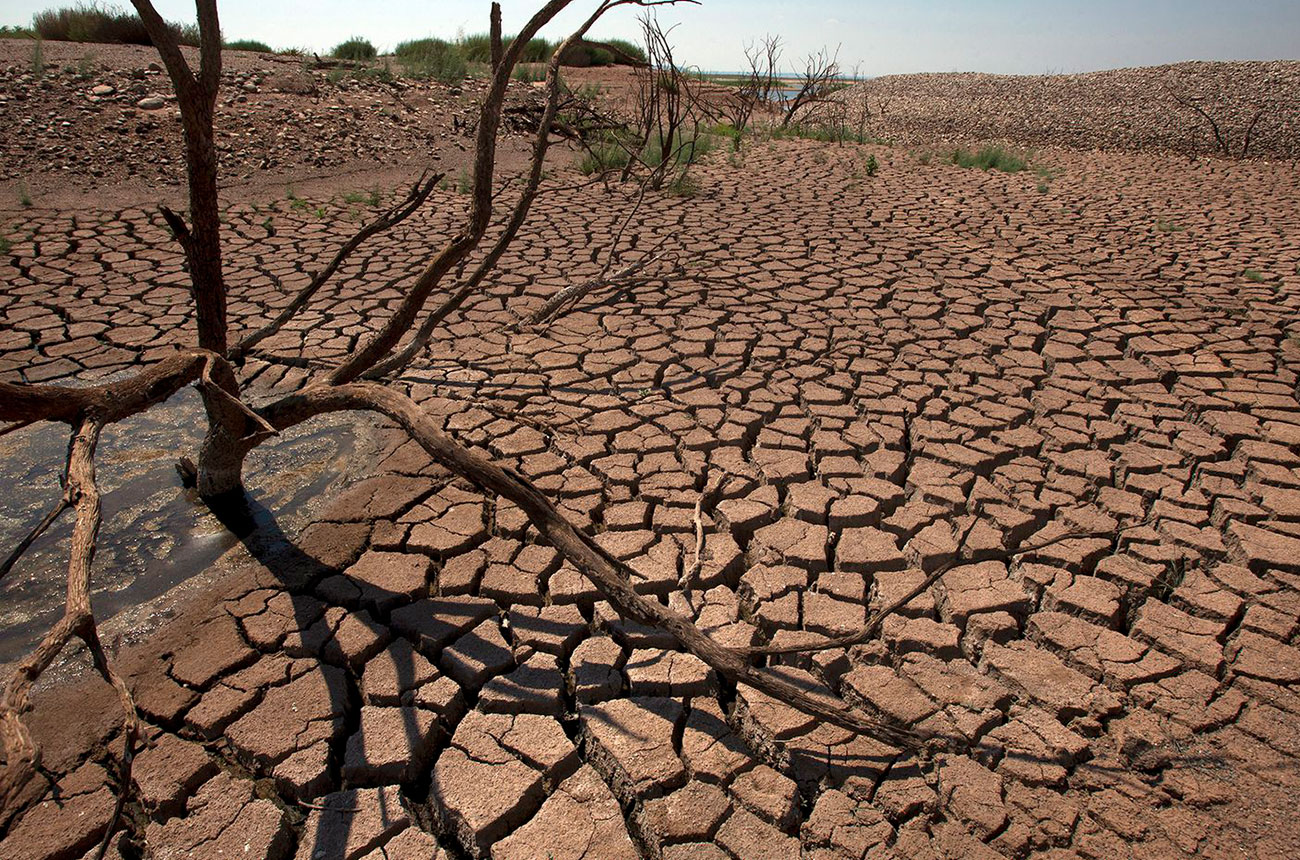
column 156, row 534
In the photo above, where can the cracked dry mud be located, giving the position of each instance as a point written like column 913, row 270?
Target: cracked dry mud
column 848, row 371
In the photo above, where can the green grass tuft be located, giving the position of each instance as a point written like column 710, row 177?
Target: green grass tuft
column 432, row 59
column 989, row 158
column 1255, row 276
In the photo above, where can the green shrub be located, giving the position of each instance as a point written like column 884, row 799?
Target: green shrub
column 16, row 32
column 90, row 22
column 1253, row 275
column 432, row 59
column 989, row 158
column 632, row 49
column 530, row 72
column 873, row 166
column 600, row 56
column 248, row 45
column 355, row 48
column 477, row 48
column 538, row 50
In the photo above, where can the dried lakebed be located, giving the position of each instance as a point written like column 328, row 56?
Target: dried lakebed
column 422, row 678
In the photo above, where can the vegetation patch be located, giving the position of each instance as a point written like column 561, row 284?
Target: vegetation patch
column 248, row 45
column 91, row 22
column 991, row 157
column 356, row 48
column 432, row 59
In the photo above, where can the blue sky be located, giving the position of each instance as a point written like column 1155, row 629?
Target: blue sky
column 1008, row 36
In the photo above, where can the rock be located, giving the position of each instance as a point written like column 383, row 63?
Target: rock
column 490, row 780
column 151, row 103
column 67, row 823
column 410, row 844
column 478, row 655
column 217, row 648
column 653, row 672
column 746, row 835
column 1038, row 675
column 535, row 687
column 306, row 773
column 772, row 796
column 972, row 793
column 388, row 579
column 431, row 623
column 102, row 90
column 845, row 825
column 594, row 667
column 167, row 773
column 630, row 741
column 306, row 710
column 690, row 814
column 392, row 675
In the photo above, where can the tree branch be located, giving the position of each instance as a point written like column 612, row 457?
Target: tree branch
column 395, row 215
column 611, row 577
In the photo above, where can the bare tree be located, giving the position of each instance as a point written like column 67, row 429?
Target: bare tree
column 820, row 77
column 757, row 83
column 355, row 384
column 1223, row 139
column 667, row 111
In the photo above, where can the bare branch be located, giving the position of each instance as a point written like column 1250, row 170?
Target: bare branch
column 821, row 70
column 109, row 402
column 460, row 246
column 611, row 577
column 394, row 215
column 627, row 276
column 689, row 574
column 517, row 217
column 197, row 99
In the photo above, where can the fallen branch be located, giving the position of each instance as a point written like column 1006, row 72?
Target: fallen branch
column 688, row 575
column 612, row 578
column 22, row 755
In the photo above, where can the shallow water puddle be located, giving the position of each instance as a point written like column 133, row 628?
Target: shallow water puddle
column 155, row 534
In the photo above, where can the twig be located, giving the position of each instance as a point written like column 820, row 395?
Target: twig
column 215, row 389
column 59, row 507
column 394, row 215
column 307, row 804
column 688, row 575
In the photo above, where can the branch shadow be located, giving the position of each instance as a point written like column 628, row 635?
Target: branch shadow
column 298, row 573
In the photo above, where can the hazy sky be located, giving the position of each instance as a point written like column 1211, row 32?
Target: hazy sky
column 1012, row 36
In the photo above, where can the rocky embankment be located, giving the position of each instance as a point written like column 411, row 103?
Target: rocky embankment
column 1171, row 108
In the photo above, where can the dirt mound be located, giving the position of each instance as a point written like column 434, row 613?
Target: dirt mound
column 92, row 115
column 1156, row 108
